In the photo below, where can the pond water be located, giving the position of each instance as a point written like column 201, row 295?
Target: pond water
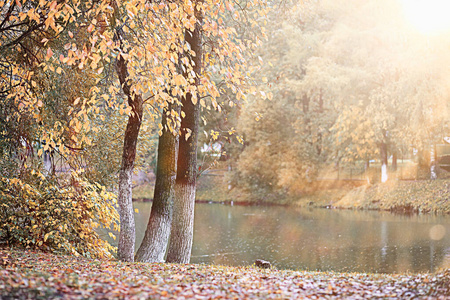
column 316, row 239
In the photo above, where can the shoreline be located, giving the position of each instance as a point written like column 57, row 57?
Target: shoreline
column 403, row 197
column 38, row 275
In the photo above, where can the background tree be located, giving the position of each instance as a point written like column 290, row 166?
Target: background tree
column 345, row 83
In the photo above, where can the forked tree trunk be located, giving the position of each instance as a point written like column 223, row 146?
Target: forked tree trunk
column 182, row 232
column 127, row 236
column 156, row 238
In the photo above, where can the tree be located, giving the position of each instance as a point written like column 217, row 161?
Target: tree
column 182, row 231
column 127, row 235
column 47, row 211
column 345, row 81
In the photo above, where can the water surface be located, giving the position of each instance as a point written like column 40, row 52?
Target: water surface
column 316, row 239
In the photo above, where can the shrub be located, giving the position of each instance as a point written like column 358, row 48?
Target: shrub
column 56, row 216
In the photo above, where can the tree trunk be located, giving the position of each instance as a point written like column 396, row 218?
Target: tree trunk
column 319, row 134
column 127, row 236
column 394, row 159
column 384, row 161
column 156, row 238
column 337, row 167
column 366, row 170
column 433, row 171
column 181, row 237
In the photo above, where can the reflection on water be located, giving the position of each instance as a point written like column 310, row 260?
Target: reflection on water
column 316, row 239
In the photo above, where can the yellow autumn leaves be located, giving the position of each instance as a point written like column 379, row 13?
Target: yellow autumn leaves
column 44, row 216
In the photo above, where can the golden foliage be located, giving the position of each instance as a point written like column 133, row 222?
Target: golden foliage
column 39, row 214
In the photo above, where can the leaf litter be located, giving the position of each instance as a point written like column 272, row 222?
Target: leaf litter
column 38, row 275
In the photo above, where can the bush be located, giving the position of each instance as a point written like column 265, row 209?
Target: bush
column 56, row 216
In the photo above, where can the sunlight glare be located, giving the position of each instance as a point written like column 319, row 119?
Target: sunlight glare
column 437, row 232
column 428, row 16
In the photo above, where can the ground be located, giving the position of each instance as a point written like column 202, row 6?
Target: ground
column 36, row 275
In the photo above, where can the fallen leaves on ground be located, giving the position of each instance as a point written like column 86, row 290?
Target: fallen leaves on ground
column 36, row 275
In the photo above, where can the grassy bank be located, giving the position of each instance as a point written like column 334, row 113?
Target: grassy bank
column 396, row 195
column 401, row 196
column 31, row 275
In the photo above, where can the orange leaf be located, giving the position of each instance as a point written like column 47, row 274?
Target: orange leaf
column 49, row 53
